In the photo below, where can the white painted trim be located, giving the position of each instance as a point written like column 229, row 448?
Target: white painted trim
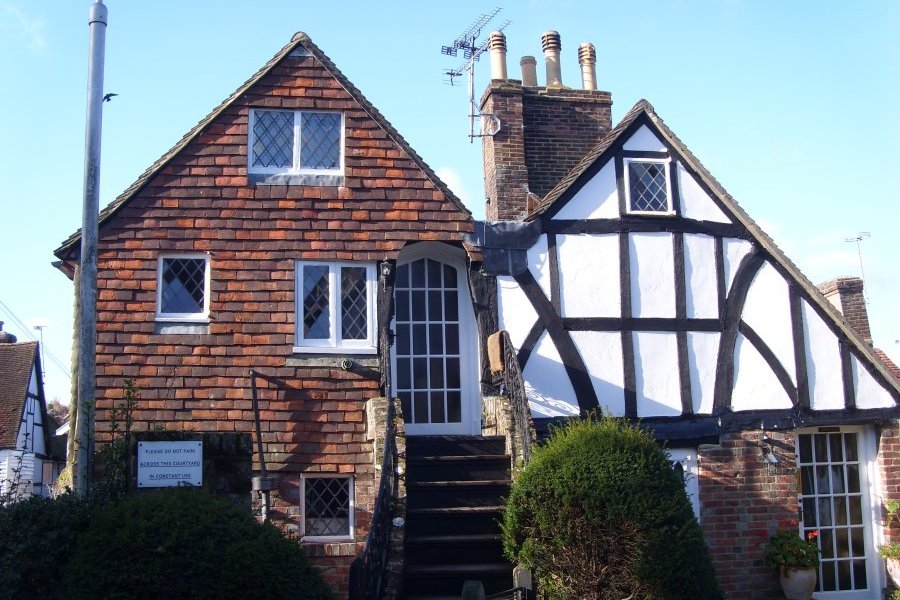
column 334, row 345
column 327, row 538
column 202, row 317
column 294, row 169
column 470, row 352
column 867, row 449
column 689, row 461
column 667, row 163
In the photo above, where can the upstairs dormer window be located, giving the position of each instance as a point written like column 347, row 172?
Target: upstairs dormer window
column 296, row 142
column 647, row 187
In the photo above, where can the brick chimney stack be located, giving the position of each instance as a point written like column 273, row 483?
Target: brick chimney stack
column 846, row 294
column 544, row 132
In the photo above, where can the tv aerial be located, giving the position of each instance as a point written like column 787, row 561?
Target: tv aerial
column 472, row 49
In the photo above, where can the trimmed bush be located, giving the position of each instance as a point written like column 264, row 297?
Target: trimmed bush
column 599, row 513
column 184, row 543
column 37, row 537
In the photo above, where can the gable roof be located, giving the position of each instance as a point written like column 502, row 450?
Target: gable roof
column 642, row 113
column 299, row 39
column 17, row 363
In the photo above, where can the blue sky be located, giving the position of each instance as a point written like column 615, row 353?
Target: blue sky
column 791, row 105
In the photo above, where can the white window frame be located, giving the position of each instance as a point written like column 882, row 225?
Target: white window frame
column 295, row 168
column 687, row 458
column 871, row 510
column 335, row 344
column 352, row 496
column 667, row 163
column 201, row 317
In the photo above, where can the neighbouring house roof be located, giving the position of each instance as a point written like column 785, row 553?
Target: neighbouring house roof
column 892, row 368
column 69, row 246
column 16, row 366
column 604, row 150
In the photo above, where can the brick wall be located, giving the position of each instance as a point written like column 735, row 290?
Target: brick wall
column 544, row 132
column 313, row 414
column 846, row 293
column 889, row 466
column 742, row 501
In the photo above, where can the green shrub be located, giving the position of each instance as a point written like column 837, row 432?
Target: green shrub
column 37, row 537
column 184, row 543
column 599, row 513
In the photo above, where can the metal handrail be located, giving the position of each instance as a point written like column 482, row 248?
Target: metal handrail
column 367, row 572
column 514, row 390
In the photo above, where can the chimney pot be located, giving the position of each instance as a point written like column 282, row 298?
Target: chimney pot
column 497, row 46
column 587, row 58
column 529, row 71
column 551, row 43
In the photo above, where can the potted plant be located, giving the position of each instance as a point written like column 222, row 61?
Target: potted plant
column 796, row 559
column 891, row 552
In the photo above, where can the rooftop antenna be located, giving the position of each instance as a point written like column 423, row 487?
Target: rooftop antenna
column 859, row 237
column 472, row 50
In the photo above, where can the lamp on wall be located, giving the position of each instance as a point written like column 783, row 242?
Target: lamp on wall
column 768, row 451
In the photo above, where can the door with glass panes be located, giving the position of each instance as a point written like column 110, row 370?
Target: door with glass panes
column 434, row 352
column 835, row 464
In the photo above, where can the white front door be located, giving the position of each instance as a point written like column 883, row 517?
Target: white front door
column 836, row 465
column 435, row 354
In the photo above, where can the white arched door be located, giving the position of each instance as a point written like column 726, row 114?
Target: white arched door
column 435, row 354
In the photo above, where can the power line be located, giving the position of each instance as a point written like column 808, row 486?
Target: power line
column 27, row 333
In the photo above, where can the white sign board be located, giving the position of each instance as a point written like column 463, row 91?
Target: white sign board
column 167, row 464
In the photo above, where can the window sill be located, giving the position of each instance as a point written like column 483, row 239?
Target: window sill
column 651, row 213
column 329, row 350
column 162, row 327
column 308, row 359
column 324, row 180
column 344, row 546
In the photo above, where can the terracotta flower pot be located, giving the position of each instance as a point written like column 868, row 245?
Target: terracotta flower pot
column 798, row 584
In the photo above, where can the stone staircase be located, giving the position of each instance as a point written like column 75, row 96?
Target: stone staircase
column 456, row 486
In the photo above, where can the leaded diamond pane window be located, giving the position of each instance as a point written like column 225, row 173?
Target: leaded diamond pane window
column 273, row 133
column 182, row 286
column 335, row 306
column 354, row 303
column 287, row 141
column 648, row 188
column 316, row 319
column 327, row 507
column 320, row 141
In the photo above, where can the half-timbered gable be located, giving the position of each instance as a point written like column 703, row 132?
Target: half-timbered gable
column 636, row 285
column 29, row 462
column 649, row 293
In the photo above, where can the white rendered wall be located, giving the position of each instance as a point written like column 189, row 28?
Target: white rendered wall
column 869, row 393
column 539, row 264
column 550, row 392
column 602, row 355
column 823, row 362
column 700, row 276
column 696, row 203
column 516, row 315
column 597, row 199
column 589, row 275
column 734, row 250
column 644, row 140
column 703, row 354
column 656, row 374
column 652, row 275
column 755, row 385
column 768, row 311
